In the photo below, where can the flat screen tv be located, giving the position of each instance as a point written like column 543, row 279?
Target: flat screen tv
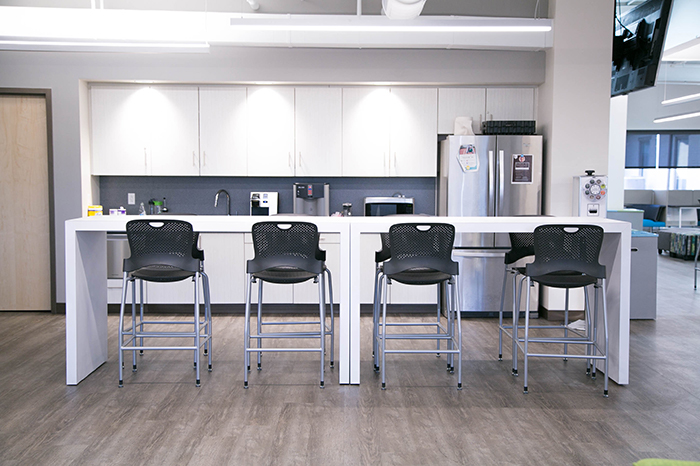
column 637, row 46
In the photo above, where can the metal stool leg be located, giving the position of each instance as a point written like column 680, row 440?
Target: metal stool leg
column 246, row 333
column 527, row 335
column 322, row 318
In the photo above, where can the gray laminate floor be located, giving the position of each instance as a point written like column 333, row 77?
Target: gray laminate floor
column 160, row 417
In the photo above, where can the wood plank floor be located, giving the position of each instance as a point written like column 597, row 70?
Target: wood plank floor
column 160, row 417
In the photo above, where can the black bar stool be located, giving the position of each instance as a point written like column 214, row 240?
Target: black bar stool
column 566, row 256
column 421, row 254
column 287, row 253
column 163, row 251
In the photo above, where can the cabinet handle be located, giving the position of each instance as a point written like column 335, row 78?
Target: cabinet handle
column 396, row 166
column 299, row 159
column 204, row 162
column 289, row 160
column 145, row 158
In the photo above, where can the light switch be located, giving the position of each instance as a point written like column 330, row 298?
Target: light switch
column 131, row 199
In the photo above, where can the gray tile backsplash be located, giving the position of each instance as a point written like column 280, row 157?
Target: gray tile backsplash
column 195, row 195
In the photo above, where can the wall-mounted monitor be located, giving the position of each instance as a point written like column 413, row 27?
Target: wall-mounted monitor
column 637, row 46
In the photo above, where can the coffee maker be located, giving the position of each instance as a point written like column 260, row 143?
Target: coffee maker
column 311, row 199
column 263, row 203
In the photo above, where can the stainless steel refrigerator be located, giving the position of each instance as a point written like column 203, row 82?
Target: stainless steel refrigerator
column 486, row 176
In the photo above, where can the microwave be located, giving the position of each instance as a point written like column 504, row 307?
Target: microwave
column 379, row 206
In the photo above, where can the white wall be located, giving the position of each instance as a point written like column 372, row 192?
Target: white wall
column 64, row 73
column 574, row 102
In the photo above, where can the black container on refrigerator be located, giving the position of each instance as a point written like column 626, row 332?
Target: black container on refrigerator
column 488, row 176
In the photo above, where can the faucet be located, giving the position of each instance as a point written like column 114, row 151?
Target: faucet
column 228, row 200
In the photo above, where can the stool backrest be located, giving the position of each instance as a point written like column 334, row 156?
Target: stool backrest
column 286, row 244
column 385, row 252
column 521, row 245
column 170, row 243
column 422, row 245
column 567, row 248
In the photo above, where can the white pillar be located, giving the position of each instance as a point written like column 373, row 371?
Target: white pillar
column 616, row 152
column 574, row 105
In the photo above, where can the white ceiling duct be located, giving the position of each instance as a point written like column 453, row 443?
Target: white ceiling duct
column 402, row 9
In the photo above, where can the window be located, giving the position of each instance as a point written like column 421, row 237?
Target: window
column 662, row 160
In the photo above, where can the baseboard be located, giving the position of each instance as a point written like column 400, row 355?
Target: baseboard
column 558, row 315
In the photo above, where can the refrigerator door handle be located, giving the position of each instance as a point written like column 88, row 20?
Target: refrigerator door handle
column 500, row 182
column 492, row 179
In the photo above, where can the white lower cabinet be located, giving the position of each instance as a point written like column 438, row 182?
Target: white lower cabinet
column 225, row 266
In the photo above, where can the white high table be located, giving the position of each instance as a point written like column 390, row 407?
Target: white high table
column 86, row 279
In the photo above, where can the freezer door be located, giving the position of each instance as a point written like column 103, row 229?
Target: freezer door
column 481, row 281
column 467, row 182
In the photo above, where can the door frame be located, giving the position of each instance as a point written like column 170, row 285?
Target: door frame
column 46, row 94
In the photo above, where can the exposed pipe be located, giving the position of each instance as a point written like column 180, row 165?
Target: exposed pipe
column 359, row 7
column 254, row 5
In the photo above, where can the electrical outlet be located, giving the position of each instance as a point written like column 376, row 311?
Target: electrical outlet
column 131, row 199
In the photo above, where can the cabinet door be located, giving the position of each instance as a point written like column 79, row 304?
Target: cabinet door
column 412, row 294
column 307, row 292
column 366, row 138
column 318, row 127
column 413, row 132
column 510, row 103
column 223, row 131
column 270, row 131
column 460, row 102
column 175, row 130
column 225, row 266
column 120, row 129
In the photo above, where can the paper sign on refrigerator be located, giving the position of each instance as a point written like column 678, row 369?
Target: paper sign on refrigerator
column 522, row 169
column 467, row 158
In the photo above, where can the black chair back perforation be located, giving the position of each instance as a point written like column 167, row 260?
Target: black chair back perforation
column 286, row 245
column 421, row 246
column 163, row 243
column 567, row 249
column 521, row 245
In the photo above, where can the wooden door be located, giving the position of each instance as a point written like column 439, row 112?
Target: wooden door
column 25, row 251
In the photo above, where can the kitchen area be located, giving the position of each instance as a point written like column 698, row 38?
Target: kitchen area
column 207, row 150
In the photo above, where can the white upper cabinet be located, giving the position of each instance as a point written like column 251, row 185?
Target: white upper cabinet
column 456, row 102
column 119, row 118
column 389, row 132
column 510, row 103
column 413, row 132
column 271, row 131
column 175, row 130
column 144, row 130
column 318, row 131
column 223, row 131
column 366, row 126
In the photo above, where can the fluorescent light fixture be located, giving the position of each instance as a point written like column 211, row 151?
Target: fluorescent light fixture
column 682, row 116
column 680, row 100
column 99, row 30
column 102, row 46
column 350, row 23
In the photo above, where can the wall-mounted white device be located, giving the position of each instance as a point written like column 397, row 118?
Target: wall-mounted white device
column 591, row 195
column 262, row 203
